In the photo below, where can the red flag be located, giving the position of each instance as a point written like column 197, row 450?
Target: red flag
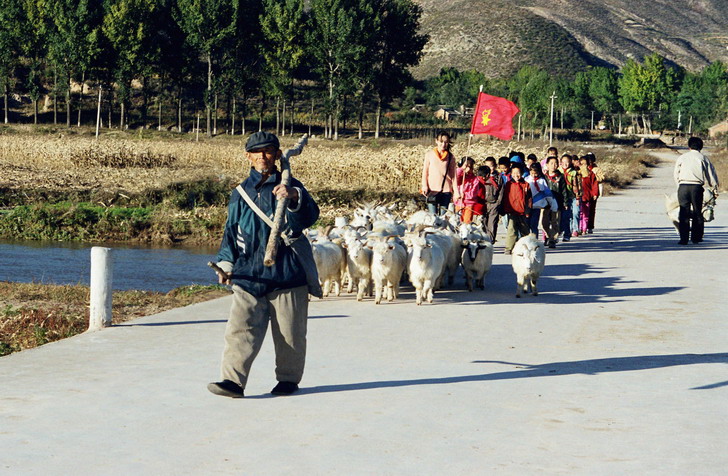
column 494, row 116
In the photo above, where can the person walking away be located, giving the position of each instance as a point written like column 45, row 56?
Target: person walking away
column 470, row 191
column 552, row 217
column 438, row 175
column 276, row 293
column 570, row 214
column 517, row 206
column 693, row 172
column 542, row 197
column 589, row 194
column 494, row 188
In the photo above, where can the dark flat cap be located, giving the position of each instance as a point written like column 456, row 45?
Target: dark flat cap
column 260, row 140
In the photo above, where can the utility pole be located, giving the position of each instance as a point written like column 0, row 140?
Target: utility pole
column 690, row 127
column 551, row 130
column 592, row 121
column 98, row 115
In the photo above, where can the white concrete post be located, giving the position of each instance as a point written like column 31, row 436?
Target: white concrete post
column 101, row 273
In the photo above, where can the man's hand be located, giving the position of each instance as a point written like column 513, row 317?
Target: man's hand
column 281, row 192
column 224, row 278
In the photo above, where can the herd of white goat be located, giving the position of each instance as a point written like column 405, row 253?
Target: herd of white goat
column 375, row 250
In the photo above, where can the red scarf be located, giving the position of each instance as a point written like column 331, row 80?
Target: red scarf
column 442, row 158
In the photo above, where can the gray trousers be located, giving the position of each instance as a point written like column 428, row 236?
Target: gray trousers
column 287, row 311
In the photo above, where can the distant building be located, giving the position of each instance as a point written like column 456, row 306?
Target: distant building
column 719, row 129
column 447, row 113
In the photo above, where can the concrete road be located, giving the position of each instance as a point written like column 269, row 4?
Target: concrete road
column 617, row 367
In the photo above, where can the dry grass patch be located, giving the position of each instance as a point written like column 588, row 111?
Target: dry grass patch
column 34, row 314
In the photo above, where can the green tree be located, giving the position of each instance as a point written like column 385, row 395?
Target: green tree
column 128, row 24
column 399, row 46
column 334, row 43
column 35, row 27
column 73, row 40
column 11, row 21
column 208, row 24
column 282, row 25
column 703, row 96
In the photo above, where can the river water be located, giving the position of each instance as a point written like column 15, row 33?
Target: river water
column 135, row 267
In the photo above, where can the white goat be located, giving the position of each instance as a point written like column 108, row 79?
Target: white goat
column 389, row 259
column 359, row 265
column 477, row 255
column 426, row 262
column 529, row 258
column 451, row 247
column 330, row 262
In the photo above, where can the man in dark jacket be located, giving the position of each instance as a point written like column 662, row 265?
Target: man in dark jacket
column 261, row 293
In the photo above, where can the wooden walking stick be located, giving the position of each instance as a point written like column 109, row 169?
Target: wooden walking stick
column 271, row 249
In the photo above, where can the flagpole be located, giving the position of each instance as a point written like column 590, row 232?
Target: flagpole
column 470, row 136
column 551, row 131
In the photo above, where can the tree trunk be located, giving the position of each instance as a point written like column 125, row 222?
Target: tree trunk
column 80, row 98
column 227, row 114
column 283, row 118
column 260, row 116
column 293, row 112
column 7, row 99
column 214, row 118
column 35, row 111
column 55, row 96
column 159, row 114
column 232, row 126
column 310, row 120
column 111, row 106
column 336, row 122
column 278, row 115
column 209, row 92
column 122, row 115
column 179, row 114
column 361, row 118
column 68, row 103
column 378, row 118
column 145, row 103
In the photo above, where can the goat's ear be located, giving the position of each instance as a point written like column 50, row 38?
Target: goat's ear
column 466, row 242
column 344, row 245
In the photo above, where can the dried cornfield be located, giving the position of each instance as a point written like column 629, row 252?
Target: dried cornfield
column 81, row 163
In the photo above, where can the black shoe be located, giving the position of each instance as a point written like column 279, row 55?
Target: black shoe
column 285, row 388
column 226, row 388
column 681, row 242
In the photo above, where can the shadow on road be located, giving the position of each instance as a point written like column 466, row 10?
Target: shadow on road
column 211, row 321
column 583, row 367
column 642, row 240
column 577, row 283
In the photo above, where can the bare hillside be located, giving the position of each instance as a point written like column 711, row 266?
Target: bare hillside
column 562, row 36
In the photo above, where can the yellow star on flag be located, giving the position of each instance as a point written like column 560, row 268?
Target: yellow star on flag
column 485, row 118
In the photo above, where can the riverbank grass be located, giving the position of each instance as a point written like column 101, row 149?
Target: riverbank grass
column 33, row 314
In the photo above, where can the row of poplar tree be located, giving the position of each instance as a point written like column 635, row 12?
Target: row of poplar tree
column 652, row 92
column 201, row 50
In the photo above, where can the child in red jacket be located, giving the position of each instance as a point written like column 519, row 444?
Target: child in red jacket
column 517, row 204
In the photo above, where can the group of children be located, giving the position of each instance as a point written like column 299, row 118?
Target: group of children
column 556, row 195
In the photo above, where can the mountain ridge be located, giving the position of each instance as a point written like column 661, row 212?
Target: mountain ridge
column 563, row 36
